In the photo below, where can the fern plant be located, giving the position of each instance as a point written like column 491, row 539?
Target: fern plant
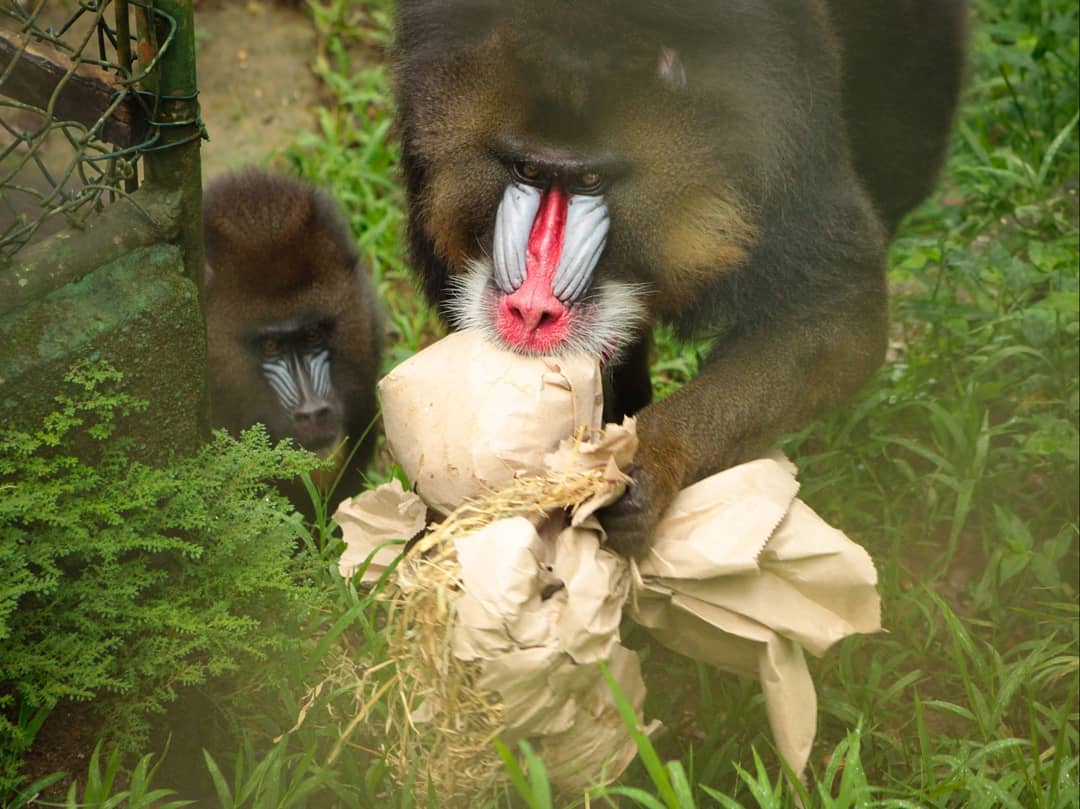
column 122, row 582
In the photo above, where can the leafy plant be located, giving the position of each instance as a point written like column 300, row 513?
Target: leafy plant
column 102, row 788
column 123, row 580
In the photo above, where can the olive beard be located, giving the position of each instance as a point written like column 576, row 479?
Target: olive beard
column 605, row 320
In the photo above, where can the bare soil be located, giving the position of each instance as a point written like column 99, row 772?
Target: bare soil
column 256, row 87
column 64, row 744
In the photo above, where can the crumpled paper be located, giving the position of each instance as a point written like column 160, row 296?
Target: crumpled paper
column 741, row 574
column 539, row 611
column 375, row 525
column 463, row 417
column 541, row 615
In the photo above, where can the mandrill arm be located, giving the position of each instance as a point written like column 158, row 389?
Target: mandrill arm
column 754, row 387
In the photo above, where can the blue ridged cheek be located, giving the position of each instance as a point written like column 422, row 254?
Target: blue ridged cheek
column 299, row 378
column 586, row 235
column 513, row 222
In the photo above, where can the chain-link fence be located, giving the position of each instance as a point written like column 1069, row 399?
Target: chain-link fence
column 80, row 106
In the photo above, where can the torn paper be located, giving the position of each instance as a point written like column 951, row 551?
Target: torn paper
column 463, row 417
column 379, row 522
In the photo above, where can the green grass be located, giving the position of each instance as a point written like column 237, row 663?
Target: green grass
column 957, row 468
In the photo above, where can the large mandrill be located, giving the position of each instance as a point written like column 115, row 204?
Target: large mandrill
column 579, row 171
column 293, row 325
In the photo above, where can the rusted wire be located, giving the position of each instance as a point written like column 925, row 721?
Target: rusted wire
column 51, row 165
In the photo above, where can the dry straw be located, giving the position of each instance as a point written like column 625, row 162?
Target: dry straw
column 441, row 724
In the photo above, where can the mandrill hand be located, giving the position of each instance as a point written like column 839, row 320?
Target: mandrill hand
column 630, row 521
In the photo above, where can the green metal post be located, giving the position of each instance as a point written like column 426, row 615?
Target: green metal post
column 176, row 166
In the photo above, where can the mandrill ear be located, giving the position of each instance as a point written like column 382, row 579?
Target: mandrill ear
column 669, row 68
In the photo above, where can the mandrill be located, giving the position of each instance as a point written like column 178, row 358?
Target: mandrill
column 577, row 172
column 293, row 327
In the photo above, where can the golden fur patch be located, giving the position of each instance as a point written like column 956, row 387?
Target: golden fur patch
column 706, row 234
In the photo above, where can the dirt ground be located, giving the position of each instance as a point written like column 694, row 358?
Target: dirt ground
column 256, row 88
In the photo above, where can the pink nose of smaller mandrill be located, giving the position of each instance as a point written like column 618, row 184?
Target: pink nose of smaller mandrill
column 532, row 318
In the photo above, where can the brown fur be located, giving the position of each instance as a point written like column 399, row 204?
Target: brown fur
column 278, row 250
column 767, row 148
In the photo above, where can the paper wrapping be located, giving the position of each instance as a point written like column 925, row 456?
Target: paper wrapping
column 462, row 417
column 743, row 576
column 740, row 575
column 541, row 615
column 375, row 526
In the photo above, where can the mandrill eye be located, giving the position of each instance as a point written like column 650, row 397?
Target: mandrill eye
column 588, row 182
column 312, row 336
column 528, row 173
column 270, row 346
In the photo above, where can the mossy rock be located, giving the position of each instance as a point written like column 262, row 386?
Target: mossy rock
column 141, row 314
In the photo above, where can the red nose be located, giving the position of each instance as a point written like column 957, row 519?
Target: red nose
column 531, row 317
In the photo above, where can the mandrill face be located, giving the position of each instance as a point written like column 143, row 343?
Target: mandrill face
column 547, row 242
column 563, row 181
column 536, row 293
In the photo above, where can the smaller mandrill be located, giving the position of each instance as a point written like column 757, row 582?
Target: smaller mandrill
column 293, row 327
